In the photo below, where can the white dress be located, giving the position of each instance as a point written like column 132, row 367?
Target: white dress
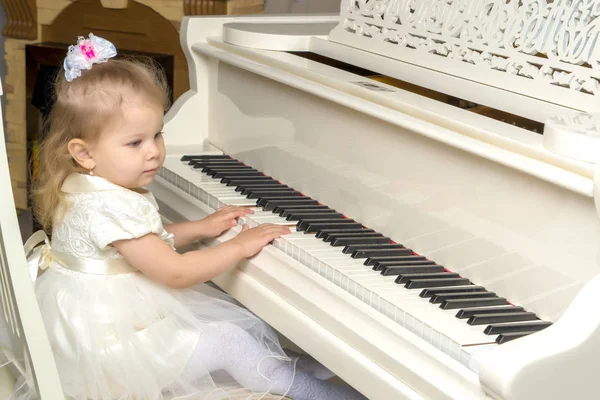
column 116, row 334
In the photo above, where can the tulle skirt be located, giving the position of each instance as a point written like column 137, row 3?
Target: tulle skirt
column 127, row 337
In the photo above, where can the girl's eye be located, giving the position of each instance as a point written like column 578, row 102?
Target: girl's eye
column 158, row 135
column 135, row 143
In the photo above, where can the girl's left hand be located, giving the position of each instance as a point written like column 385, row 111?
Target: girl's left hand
column 222, row 219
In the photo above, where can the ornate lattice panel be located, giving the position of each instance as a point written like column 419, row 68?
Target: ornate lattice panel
column 541, row 48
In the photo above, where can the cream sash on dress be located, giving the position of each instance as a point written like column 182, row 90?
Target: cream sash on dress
column 40, row 254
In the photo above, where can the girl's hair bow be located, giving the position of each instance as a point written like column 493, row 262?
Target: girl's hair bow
column 86, row 53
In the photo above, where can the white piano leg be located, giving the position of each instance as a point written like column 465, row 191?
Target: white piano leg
column 568, row 351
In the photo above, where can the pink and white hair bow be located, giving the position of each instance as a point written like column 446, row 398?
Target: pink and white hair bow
column 86, row 53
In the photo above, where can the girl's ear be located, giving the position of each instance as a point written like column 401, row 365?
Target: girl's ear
column 79, row 150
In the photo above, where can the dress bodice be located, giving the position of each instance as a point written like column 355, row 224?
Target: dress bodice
column 95, row 218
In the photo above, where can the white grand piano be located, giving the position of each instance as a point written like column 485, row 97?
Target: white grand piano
column 421, row 121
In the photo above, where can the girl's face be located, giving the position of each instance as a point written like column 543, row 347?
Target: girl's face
column 130, row 152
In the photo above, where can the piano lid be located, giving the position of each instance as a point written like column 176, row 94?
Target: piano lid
column 542, row 50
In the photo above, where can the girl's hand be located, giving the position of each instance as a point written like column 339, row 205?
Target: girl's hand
column 222, row 219
column 251, row 241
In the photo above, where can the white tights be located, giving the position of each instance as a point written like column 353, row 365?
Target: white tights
column 232, row 349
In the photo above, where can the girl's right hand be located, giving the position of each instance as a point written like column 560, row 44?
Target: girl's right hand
column 251, row 241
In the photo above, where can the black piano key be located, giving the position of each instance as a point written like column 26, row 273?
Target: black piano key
column 453, row 304
column 217, row 174
column 300, row 211
column 486, row 319
column 237, row 174
column 271, row 204
column 346, row 241
column 403, row 278
column 189, row 157
column 363, row 233
column 304, row 215
column 284, row 211
column 305, row 223
column 317, row 227
column 381, row 265
column 408, row 269
column 241, row 169
column 308, row 215
column 204, row 157
column 371, row 247
column 214, row 160
column 323, row 233
column 378, row 265
column 199, row 164
column 210, row 168
column 423, row 283
column 275, row 196
column 264, row 189
column 245, row 189
column 533, row 326
column 468, row 312
column 238, row 180
column 441, row 296
column 390, row 250
column 442, row 289
column 272, row 194
column 325, row 217
column 251, row 181
column 371, row 261
column 227, row 165
column 252, row 185
column 282, row 201
column 508, row 336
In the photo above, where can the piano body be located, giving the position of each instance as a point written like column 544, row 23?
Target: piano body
column 420, row 120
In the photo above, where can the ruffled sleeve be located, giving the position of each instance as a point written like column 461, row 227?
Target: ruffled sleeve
column 123, row 215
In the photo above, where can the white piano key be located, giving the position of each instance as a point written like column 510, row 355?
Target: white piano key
column 220, row 190
column 299, row 236
column 269, row 219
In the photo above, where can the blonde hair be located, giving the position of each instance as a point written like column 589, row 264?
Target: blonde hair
column 81, row 110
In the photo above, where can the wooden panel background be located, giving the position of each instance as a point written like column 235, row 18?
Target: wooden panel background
column 21, row 19
column 137, row 28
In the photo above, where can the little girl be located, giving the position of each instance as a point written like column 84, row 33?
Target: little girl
column 128, row 317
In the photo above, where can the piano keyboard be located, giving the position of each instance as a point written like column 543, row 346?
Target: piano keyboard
column 443, row 308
